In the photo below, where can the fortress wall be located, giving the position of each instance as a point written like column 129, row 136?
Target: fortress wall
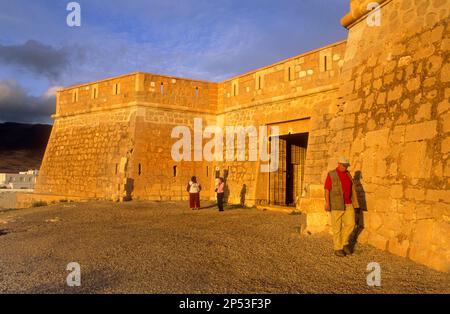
column 307, row 99
column 306, row 115
column 176, row 93
column 394, row 123
column 84, row 154
column 158, row 179
column 163, row 104
column 92, row 135
column 100, row 137
column 303, row 74
column 154, row 105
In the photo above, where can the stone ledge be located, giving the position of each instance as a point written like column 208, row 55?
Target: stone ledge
column 358, row 9
column 26, row 200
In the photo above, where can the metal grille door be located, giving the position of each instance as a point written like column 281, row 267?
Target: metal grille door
column 277, row 190
column 298, row 157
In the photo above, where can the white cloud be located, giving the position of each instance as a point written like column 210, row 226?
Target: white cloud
column 51, row 92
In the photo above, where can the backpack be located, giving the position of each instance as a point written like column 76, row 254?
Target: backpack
column 188, row 188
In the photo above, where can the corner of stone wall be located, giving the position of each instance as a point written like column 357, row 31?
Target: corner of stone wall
column 317, row 219
column 27, row 200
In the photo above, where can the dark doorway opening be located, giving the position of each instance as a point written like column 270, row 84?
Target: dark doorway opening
column 287, row 184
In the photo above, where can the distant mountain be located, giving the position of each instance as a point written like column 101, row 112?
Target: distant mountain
column 22, row 146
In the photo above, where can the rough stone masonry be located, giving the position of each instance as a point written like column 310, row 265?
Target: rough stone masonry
column 381, row 97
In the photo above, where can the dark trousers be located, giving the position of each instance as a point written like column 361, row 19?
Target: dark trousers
column 194, row 200
column 220, row 201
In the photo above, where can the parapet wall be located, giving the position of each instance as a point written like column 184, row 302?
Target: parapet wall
column 138, row 88
column 308, row 73
column 175, row 93
column 101, row 95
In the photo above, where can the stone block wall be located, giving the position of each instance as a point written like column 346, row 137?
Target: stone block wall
column 297, row 95
column 84, row 154
column 308, row 73
column 164, row 103
column 381, row 98
column 156, row 175
column 175, row 93
column 393, row 123
column 112, row 139
column 101, row 95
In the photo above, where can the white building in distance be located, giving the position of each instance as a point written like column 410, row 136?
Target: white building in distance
column 21, row 180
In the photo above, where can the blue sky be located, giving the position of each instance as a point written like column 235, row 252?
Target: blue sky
column 202, row 39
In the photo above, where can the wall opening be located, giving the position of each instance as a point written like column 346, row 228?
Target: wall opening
column 161, row 89
column 117, row 168
column 259, row 82
column 139, row 169
column 116, row 89
column 196, row 91
column 75, row 95
column 207, row 171
column 174, row 171
column 289, row 73
column 287, row 184
column 94, row 93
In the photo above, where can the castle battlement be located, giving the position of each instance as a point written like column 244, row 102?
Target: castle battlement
column 136, row 88
column 310, row 72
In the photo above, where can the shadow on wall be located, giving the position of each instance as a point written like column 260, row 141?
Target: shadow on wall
column 226, row 189
column 359, row 212
column 129, row 187
column 242, row 194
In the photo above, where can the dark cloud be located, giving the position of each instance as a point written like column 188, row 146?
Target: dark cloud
column 200, row 39
column 16, row 105
column 38, row 58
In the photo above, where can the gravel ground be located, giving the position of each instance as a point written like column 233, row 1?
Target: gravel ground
column 162, row 247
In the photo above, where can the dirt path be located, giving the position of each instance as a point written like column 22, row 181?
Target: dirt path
column 158, row 247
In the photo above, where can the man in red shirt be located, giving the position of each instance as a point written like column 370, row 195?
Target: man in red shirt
column 341, row 200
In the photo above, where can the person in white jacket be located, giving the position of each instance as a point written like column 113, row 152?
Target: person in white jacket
column 194, row 189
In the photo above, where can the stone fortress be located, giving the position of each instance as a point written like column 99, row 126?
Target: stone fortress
column 381, row 98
